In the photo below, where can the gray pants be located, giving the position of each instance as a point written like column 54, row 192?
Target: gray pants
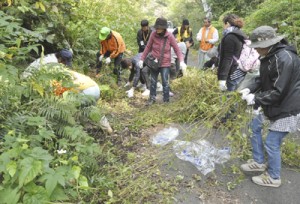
column 202, row 58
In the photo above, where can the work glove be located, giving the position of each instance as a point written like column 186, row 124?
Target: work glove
column 108, row 60
column 183, row 68
column 256, row 111
column 244, row 92
column 140, row 64
column 100, row 58
column 249, row 99
column 127, row 84
column 222, row 85
column 130, row 92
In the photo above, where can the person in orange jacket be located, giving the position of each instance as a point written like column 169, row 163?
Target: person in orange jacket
column 112, row 47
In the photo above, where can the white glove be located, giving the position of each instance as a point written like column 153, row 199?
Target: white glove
column 244, row 92
column 183, row 68
column 108, row 60
column 127, row 84
column 130, row 92
column 257, row 111
column 140, row 64
column 222, row 85
column 250, row 99
column 100, row 58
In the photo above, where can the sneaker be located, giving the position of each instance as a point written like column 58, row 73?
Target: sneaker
column 171, row 94
column 146, row 92
column 266, row 180
column 252, row 165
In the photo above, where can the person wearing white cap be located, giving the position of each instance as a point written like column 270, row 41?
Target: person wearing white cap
column 277, row 91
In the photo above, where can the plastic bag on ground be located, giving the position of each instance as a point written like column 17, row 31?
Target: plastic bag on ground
column 165, row 136
column 105, row 125
column 201, row 154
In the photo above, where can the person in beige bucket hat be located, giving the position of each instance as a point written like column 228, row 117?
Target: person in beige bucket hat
column 277, row 92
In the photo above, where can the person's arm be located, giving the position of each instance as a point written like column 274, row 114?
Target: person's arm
column 139, row 39
column 227, row 56
column 284, row 72
column 103, row 48
column 199, row 35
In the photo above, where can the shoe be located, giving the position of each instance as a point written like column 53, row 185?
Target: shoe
column 252, row 165
column 266, row 180
column 171, row 94
column 150, row 102
column 146, row 92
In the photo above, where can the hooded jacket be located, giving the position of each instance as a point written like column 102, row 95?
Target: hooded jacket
column 279, row 83
column 231, row 45
column 114, row 45
column 155, row 45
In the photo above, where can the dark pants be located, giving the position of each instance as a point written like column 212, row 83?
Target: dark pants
column 186, row 56
column 164, row 72
column 146, row 76
column 117, row 64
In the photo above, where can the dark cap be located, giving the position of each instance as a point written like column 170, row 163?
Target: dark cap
column 66, row 55
column 161, row 23
column 185, row 22
column 264, row 36
column 144, row 23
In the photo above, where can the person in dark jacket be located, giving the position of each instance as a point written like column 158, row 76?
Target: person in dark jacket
column 143, row 35
column 277, row 91
column 231, row 46
column 183, row 34
column 135, row 73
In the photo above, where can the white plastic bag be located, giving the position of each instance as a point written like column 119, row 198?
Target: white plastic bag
column 105, row 125
column 201, row 154
column 165, row 136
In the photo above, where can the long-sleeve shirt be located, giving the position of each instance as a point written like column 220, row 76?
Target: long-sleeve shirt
column 155, row 45
column 135, row 72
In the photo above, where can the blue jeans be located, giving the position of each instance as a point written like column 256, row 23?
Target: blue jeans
column 272, row 146
column 232, row 85
column 164, row 72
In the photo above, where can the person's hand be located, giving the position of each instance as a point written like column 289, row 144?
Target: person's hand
column 183, row 68
column 140, row 64
column 108, row 60
column 100, row 58
column 249, row 99
column 222, row 85
column 130, row 92
column 127, row 84
column 244, row 92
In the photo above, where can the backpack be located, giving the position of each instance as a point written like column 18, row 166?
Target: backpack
column 248, row 60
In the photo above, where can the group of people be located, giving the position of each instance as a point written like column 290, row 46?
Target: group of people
column 168, row 49
column 274, row 95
